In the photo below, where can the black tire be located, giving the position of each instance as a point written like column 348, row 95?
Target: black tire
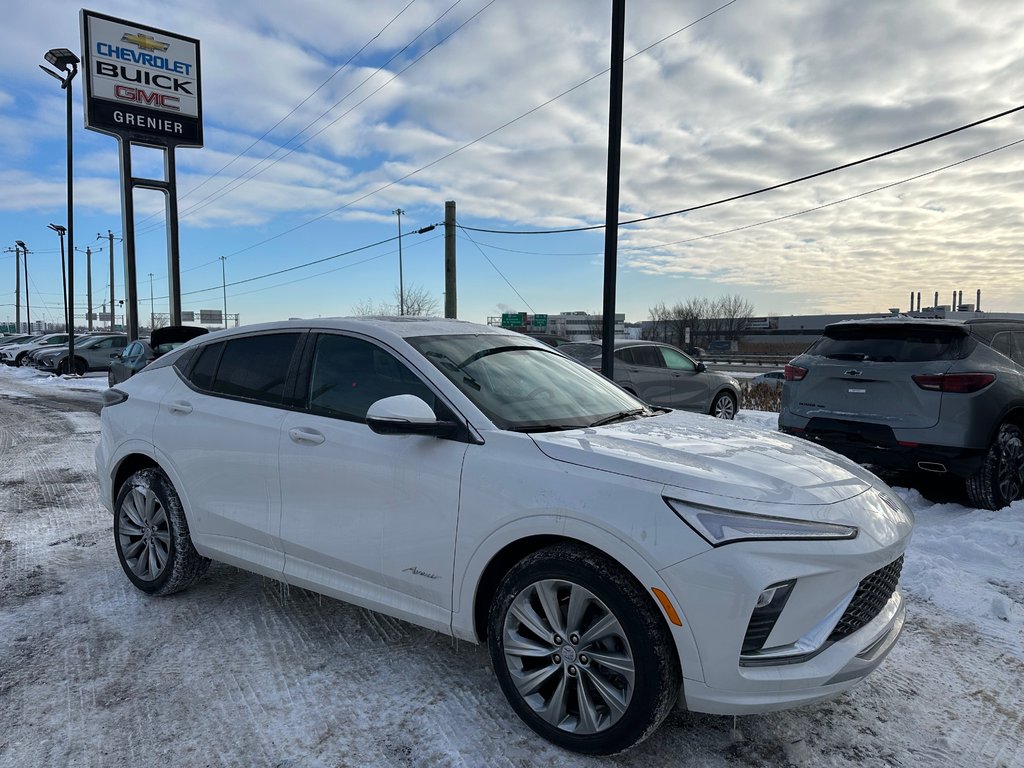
column 1001, row 477
column 724, row 406
column 151, row 535
column 81, row 367
column 20, row 359
column 570, row 665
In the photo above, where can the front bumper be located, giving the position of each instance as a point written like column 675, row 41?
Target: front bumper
column 802, row 659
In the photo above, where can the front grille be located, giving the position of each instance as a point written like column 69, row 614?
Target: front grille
column 872, row 594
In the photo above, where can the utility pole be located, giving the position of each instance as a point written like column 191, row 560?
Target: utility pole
column 224, row 287
column 28, row 312
column 17, row 287
column 110, row 237
column 451, row 308
column 611, row 214
column 401, row 283
column 152, row 314
column 88, row 279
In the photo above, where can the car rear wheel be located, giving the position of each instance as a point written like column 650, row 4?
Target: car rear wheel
column 580, row 651
column 151, row 535
column 1001, row 477
column 724, row 406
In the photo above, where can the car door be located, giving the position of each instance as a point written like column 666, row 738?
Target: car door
column 99, row 355
column 647, row 375
column 220, row 432
column 689, row 387
column 369, row 518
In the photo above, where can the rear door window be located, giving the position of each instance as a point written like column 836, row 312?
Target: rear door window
column 896, row 344
column 256, row 367
column 648, row 356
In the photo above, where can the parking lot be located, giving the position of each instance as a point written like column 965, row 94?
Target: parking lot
column 242, row 670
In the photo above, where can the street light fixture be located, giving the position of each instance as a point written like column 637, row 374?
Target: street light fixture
column 28, row 312
column 63, row 273
column 67, row 62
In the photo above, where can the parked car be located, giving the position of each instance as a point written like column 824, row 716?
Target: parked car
column 551, row 339
column 94, row 353
column 912, row 394
column 15, row 354
column 661, row 374
column 773, row 379
column 142, row 352
column 7, row 341
column 479, row 483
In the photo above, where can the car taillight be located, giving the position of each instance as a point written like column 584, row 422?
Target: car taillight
column 962, row 383
column 794, row 372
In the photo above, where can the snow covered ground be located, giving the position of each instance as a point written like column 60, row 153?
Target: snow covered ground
column 242, row 671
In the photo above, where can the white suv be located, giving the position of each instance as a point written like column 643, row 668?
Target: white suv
column 615, row 557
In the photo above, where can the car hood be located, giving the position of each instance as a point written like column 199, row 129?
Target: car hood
column 705, row 455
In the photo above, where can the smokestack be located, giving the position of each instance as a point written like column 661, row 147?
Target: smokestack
column 936, row 302
column 953, row 302
column 959, row 299
column 918, row 301
column 977, row 302
column 911, row 301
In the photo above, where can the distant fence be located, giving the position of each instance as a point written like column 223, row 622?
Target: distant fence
column 774, row 361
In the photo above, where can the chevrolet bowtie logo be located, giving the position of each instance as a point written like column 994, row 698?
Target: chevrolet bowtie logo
column 145, row 42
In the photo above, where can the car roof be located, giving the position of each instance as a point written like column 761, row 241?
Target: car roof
column 386, row 328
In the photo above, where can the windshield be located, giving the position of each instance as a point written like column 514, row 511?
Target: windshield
column 526, row 388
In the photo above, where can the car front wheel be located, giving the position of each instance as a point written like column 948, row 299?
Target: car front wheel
column 1001, row 477
column 580, row 651
column 151, row 535
column 724, row 406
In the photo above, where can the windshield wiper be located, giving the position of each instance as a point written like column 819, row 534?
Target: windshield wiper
column 494, row 351
column 545, row 428
column 621, row 416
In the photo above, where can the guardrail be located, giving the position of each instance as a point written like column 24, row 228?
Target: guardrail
column 774, row 361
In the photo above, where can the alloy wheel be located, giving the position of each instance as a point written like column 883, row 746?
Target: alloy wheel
column 144, row 532
column 568, row 656
column 1011, row 467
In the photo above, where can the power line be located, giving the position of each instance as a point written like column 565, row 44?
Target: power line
column 479, row 138
column 772, row 188
column 228, row 188
column 495, row 267
column 772, row 220
column 297, row 106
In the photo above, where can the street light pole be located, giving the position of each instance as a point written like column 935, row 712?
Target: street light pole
column 63, row 272
column 88, row 281
column 152, row 314
column 401, row 282
column 66, row 61
column 224, row 287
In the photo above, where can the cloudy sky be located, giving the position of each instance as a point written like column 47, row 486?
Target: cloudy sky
column 324, row 116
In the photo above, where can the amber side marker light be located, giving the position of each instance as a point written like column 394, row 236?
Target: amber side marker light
column 667, row 605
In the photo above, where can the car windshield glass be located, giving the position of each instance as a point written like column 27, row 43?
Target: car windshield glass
column 525, row 388
column 892, row 344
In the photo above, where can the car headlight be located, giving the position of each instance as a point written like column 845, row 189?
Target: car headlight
column 726, row 526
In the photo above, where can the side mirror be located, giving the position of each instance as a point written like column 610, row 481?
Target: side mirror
column 406, row 415
column 701, row 367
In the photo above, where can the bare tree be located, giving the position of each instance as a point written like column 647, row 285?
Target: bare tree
column 418, row 303
column 707, row 319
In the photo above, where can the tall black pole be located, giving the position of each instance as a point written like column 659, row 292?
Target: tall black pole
column 611, row 230
column 28, row 309
column 17, row 289
column 71, row 227
column 451, row 303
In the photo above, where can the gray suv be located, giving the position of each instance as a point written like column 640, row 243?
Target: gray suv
column 661, row 374
column 912, row 394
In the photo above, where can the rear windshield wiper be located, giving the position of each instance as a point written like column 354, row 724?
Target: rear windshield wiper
column 854, row 356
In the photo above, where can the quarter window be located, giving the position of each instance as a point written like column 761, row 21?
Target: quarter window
column 349, row 375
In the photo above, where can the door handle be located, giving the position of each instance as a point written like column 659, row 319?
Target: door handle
column 179, row 406
column 306, row 435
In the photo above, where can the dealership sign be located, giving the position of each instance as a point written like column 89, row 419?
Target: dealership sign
column 141, row 83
